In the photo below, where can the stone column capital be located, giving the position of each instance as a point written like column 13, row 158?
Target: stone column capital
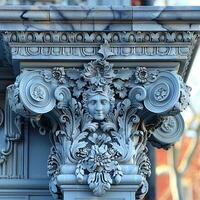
column 104, row 117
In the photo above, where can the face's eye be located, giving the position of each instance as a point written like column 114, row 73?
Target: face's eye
column 104, row 101
column 92, row 102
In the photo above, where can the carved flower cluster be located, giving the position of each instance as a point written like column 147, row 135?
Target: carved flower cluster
column 101, row 168
column 59, row 74
column 143, row 75
column 98, row 72
column 99, row 159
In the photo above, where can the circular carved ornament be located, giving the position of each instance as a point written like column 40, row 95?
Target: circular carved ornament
column 170, row 130
column 163, row 94
column 36, row 94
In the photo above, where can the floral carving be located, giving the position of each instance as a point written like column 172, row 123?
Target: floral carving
column 58, row 73
column 143, row 75
column 38, row 93
column 105, row 50
column 184, row 95
column 103, row 118
column 101, row 168
column 98, row 72
column 161, row 93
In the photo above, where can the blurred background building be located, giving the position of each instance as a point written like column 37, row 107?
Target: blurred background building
column 178, row 169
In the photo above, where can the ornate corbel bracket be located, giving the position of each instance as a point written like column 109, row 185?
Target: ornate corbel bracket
column 104, row 116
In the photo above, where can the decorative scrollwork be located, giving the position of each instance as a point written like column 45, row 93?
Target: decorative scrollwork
column 169, row 132
column 35, row 93
column 163, row 94
column 63, row 96
column 184, row 99
column 137, row 94
column 101, row 118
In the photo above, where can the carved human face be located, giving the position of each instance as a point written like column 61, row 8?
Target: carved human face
column 98, row 106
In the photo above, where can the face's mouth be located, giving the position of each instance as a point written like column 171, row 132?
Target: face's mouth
column 99, row 113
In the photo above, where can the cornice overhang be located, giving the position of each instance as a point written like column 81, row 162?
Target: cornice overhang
column 135, row 33
column 47, row 18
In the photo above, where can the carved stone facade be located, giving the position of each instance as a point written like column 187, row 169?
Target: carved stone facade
column 100, row 96
column 101, row 118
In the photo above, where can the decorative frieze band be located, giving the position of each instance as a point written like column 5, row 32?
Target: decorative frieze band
column 85, row 52
column 98, row 37
column 178, row 46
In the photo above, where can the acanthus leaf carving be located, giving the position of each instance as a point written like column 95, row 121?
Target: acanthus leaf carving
column 100, row 112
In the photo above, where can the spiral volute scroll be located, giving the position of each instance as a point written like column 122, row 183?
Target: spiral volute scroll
column 63, row 95
column 170, row 130
column 163, row 94
column 35, row 93
column 138, row 93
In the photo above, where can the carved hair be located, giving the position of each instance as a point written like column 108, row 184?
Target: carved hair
column 103, row 90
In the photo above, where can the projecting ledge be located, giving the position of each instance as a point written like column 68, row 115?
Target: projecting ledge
column 51, row 18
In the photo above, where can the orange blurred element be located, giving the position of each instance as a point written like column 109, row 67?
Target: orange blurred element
column 179, row 166
column 136, row 2
column 163, row 191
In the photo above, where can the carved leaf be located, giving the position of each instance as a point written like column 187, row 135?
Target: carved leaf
column 108, row 126
column 60, row 132
column 77, row 143
column 76, row 92
column 124, row 74
column 90, row 126
column 119, row 147
column 91, row 180
column 122, row 93
column 131, row 119
column 80, row 172
column 126, row 104
column 76, row 146
column 118, row 84
column 80, row 84
column 54, row 161
column 99, row 182
column 121, row 124
column 73, row 74
column 105, row 50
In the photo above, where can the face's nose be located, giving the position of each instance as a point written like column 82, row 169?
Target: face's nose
column 99, row 106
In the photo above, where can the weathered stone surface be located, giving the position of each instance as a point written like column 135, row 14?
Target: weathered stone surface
column 101, row 82
column 99, row 125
